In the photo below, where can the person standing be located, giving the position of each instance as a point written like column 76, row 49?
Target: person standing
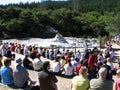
column 78, row 54
column 101, row 83
column 92, row 63
column 80, row 82
column 85, row 46
column 0, row 64
column 47, row 79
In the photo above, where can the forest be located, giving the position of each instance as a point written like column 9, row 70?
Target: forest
column 72, row 18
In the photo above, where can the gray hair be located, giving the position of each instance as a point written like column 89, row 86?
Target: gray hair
column 102, row 71
column 83, row 70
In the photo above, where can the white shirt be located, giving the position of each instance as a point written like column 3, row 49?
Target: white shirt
column 111, row 65
column 56, row 67
column 37, row 64
column 68, row 70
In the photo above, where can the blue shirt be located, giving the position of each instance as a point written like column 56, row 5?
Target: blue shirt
column 6, row 78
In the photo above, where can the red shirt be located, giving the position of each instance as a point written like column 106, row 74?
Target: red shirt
column 92, row 61
column 78, row 68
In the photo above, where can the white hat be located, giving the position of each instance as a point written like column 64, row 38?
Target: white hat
column 18, row 61
column 58, row 55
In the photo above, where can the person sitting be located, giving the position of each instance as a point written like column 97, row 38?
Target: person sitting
column 62, row 62
column 9, row 53
column 101, row 83
column 0, row 64
column 37, row 63
column 47, row 79
column 1, row 61
column 68, row 70
column 56, row 66
column 21, row 75
column 110, row 63
column 80, row 82
column 92, row 64
column 27, row 63
column 6, row 72
column 82, row 63
column 117, row 80
column 109, row 71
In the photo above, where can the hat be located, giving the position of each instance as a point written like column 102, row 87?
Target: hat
column 19, row 60
column 58, row 55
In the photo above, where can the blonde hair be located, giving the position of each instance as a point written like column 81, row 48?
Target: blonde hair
column 83, row 70
column 108, row 59
column 118, row 71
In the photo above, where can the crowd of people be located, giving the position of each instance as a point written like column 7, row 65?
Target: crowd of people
column 92, row 69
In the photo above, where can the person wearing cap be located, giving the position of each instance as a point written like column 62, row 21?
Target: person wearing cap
column 21, row 75
column 47, row 79
column 101, row 83
column 80, row 82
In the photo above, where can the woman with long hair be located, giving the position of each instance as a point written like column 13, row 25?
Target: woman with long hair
column 69, row 69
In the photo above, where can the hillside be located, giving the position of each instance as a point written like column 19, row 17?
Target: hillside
column 76, row 18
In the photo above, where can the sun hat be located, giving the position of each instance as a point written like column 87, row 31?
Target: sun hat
column 19, row 60
column 58, row 55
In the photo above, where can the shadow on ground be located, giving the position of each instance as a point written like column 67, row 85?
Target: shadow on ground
column 116, row 49
column 115, row 59
column 5, row 87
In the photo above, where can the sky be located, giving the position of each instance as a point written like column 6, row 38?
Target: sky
column 4, row 2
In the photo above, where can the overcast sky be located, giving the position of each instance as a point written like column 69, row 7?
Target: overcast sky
column 4, row 2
